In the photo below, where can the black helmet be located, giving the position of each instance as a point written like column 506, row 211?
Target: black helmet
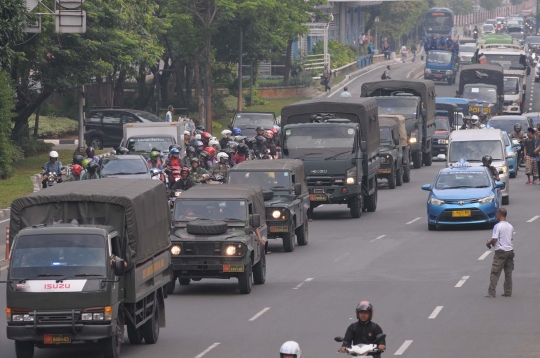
column 205, row 155
column 260, row 128
column 261, row 140
column 198, row 131
column 77, row 159
column 242, row 148
column 517, row 125
column 92, row 167
column 194, row 159
column 89, row 150
column 487, row 158
column 250, row 142
column 365, row 306
column 190, row 149
column 201, row 128
column 229, row 151
column 122, row 150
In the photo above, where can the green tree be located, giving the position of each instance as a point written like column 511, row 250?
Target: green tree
column 408, row 13
column 13, row 19
column 490, row 4
column 460, row 7
column 6, row 114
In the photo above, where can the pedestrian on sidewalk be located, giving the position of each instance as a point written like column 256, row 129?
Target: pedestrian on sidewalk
column 326, row 78
column 502, row 240
column 345, row 93
column 413, row 51
column 168, row 116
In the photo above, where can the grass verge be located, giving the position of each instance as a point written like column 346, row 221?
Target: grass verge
column 19, row 184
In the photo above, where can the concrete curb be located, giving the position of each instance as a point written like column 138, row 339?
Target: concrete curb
column 4, row 214
column 418, row 72
column 62, row 141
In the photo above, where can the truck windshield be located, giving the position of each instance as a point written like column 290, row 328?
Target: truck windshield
column 58, row 255
column 323, row 140
column 386, row 135
column 505, row 60
column 113, row 166
column 475, row 150
column 188, row 210
column 462, row 179
column 486, row 94
column 145, row 144
column 396, row 105
column 511, row 85
column 266, row 180
column 440, row 57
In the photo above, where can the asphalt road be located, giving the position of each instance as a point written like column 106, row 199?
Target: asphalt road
column 387, row 257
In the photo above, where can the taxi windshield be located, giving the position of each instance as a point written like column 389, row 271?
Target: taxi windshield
column 266, row 180
column 462, row 179
column 187, row 210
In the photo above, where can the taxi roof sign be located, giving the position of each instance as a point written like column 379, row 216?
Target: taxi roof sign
column 461, row 163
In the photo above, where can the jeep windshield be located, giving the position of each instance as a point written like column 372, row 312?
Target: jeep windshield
column 146, row 144
column 321, row 140
column 441, row 124
column 58, row 256
column 266, row 180
column 386, row 136
column 486, row 94
column 187, row 210
column 439, row 57
column 396, row 105
column 475, row 150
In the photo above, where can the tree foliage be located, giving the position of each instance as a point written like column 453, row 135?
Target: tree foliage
column 490, row 4
column 6, row 114
column 409, row 13
column 13, row 19
column 460, row 7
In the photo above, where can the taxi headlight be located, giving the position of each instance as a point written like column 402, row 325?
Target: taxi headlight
column 276, row 214
column 435, row 201
column 487, row 199
column 176, row 250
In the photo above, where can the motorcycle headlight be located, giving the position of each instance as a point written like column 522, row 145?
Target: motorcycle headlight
column 435, row 201
column 176, row 250
column 487, row 199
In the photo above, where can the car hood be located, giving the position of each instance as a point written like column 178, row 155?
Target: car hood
column 130, row 176
column 439, row 66
column 465, row 193
column 277, row 201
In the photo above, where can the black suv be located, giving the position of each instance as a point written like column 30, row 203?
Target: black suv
column 104, row 128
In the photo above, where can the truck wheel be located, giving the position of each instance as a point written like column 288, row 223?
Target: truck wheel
column 259, row 270
column 171, row 286
column 112, row 345
column 428, row 158
column 399, row 177
column 355, row 206
column 392, row 179
column 371, row 202
column 245, row 280
column 96, row 142
column 24, row 349
column 150, row 329
column 184, row 281
column 134, row 334
column 288, row 240
column 302, row 233
column 506, row 200
column 206, row 227
column 417, row 160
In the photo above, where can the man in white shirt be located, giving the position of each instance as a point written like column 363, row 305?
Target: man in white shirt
column 345, row 93
column 168, row 116
column 502, row 240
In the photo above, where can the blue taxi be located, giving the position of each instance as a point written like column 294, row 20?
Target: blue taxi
column 463, row 195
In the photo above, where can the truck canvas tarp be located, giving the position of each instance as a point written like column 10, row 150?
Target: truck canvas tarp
column 485, row 73
column 135, row 208
column 452, row 110
column 400, row 121
column 422, row 88
column 357, row 110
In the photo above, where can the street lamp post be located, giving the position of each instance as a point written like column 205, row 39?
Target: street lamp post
column 239, row 109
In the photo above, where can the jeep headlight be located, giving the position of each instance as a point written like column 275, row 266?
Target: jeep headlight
column 351, row 176
column 435, row 201
column 230, row 250
column 236, row 249
column 176, row 250
column 414, row 137
column 487, row 199
column 276, row 214
column 442, row 141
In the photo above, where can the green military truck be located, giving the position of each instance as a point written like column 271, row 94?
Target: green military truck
column 219, row 232
column 287, row 210
column 87, row 260
column 415, row 100
column 338, row 141
column 393, row 144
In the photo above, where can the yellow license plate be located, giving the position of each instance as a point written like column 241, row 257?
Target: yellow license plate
column 384, row 171
column 233, row 268
column 318, row 197
column 478, row 109
column 279, row 229
column 461, row 213
column 56, row 339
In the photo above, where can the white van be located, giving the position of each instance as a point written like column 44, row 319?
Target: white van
column 473, row 144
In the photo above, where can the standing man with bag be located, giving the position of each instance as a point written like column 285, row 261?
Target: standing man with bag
column 502, row 240
column 326, row 78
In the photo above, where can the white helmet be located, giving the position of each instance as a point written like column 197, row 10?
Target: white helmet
column 213, row 142
column 53, row 154
column 187, row 133
column 197, row 137
column 222, row 155
column 291, row 348
column 225, row 133
column 474, row 119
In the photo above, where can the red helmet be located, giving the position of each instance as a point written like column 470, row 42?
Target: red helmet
column 205, row 137
column 77, row 169
column 184, row 169
column 274, row 130
column 269, row 134
column 210, row 150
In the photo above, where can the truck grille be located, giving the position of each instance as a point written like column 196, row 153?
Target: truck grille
column 202, row 248
column 57, row 317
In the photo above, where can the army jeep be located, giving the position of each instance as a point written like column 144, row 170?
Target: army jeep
column 394, row 151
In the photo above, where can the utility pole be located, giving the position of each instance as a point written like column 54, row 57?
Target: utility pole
column 157, row 91
column 81, row 146
column 239, row 109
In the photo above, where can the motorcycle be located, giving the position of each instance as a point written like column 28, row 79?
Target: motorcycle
column 216, row 179
column 361, row 350
column 51, row 178
column 173, row 173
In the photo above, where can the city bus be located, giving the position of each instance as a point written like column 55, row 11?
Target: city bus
column 438, row 21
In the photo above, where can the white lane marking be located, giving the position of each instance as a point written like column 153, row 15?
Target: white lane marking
column 462, row 281
column 378, row 238
column 309, row 279
column 301, row 283
column 259, row 314
column 340, row 257
column 410, row 222
column 207, row 350
column 484, row 255
column 435, row 312
column 3, row 221
column 532, row 219
column 403, row 348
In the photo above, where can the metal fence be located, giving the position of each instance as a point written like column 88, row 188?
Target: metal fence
column 482, row 16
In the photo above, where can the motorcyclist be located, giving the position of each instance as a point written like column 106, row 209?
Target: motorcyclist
column 221, row 167
column 226, row 135
column 520, row 136
column 199, row 146
column 85, row 163
column 486, row 162
column 475, row 32
column 171, row 147
column 290, row 349
column 236, row 132
column 212, row 160
column 185, row 182
column 196, row 173
column 449, row 43
column 260, row 132
column 214, row 143
column 230, row 153
column 364, row 331
column 204, row 158
column 52, row 166
column 77, row 159
column 201, row 128
column 190, row 153
column 241, row 154
column 91, row 172
column 154, row 161
column 466, row 123
column 261, row 151
column 475, row 123
column 187, row 137
column 174, row 159
column 483, row 117
column 250, row 142
column 91, row 153
column 205, row 138
column 75, row 173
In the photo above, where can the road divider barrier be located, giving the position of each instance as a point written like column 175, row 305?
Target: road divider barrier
column 7, row 244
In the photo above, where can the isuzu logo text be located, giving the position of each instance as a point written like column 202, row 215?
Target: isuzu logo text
column 320, row 171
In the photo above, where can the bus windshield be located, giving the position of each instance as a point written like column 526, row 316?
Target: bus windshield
column 440, row 22
column 505, row 60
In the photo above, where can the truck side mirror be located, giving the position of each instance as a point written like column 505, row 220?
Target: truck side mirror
column 297, row 189
column 119, row 267
column 363, row 145
column 256, row 220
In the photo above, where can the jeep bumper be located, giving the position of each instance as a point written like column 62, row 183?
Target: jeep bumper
column 208, row 267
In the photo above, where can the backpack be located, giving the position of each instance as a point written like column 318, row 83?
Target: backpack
column 383, row 77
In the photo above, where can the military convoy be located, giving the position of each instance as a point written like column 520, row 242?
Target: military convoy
column 394, row 152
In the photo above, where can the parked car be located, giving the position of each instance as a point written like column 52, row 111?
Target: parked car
column 511, row 155
column 124, row 166
column 104, row 128
column 534, row 117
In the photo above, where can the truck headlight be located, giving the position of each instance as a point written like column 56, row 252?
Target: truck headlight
column 17, row 318
column 176, row 250
column 427, row 71
column 412, row 140
column 350, row 181
column 87, row 316
column 98, row 316
column 449, row 72
column 435, row 201
column 276, row 214
column 487, row 199
column 351, row 176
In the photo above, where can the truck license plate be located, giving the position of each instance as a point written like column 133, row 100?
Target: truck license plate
column 461, row 213
column 279, row 229
column 233, row 268
column 384, row 171
column 318, row 197
column 57, row 339
column 438, row 76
